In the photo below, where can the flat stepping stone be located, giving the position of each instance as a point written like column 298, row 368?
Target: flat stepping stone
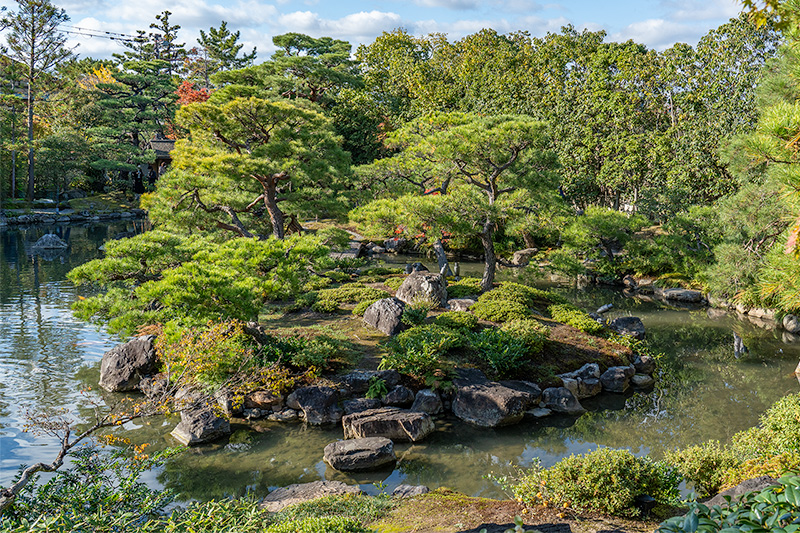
column 356, row 455
column 390, row 422
column 303, row 492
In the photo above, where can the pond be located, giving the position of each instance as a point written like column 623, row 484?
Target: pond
column 703, row 392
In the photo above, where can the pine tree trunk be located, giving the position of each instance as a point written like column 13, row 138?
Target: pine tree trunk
column 489, row 259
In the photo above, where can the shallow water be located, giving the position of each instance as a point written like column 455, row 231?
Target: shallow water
column 704, row 392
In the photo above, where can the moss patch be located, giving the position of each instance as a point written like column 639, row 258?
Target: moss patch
column 103, row 203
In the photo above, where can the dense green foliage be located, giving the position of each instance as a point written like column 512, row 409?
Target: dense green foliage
column 571, row 315
column 158, row 277
column 775, row 509
column 605, row 481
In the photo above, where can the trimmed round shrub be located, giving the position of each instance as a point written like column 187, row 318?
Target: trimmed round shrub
column 459, row 320
column 325, row 306
column 776, row 434
column 361, row 307
column 705, row 465
column 395, row 282
column 464, row 287
column 523, row 294
column 316, row 284
column 572, row 316
column 429, row 335
column 606, row 481
column 495, row 310
column 530, row 332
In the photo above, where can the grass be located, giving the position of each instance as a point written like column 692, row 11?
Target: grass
column 113, row 201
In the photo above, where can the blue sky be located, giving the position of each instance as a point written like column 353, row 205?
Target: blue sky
column 656, row 23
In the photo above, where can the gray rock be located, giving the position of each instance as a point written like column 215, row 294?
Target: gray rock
column 460, row 304
column 491, row 404
column 287, row 415
column 589, row 387
column 415, row 267
column 540, row 412
column 735, row 493
column 469, row 376
column 50, row 241
column 644, row 364
column 390, row 422
column 318, row 405
column 766, row 314
column 254, row 414
column 423, row 286
column 789, row 338
column 386, row 315
column 399, row 396
column 397, row 245
column 378, row 250
column 617, row 378
column 571, row 385
column 303, row 492
column 360, row 404
column 359, row 454
column 683, row 295
column 262, row 399
column 561, row 400
column 408, row 491
column 628, row 325
column 427, row 401
column 523, row 257
column 587, row 371
column 155, row 386
column 524, row 386
column 719, row 303
column 630, row 282
column 791, row 323
column 584, row 382
column 604, row 309
column 359, row 380
column 200, row 425
column 124, row 366
column 642, row 381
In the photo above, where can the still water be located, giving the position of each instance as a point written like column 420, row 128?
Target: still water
column 47, row 358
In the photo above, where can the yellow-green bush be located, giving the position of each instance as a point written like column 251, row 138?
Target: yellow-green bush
column 495, row 310
column 571, row 315
column 705, row 465
column 464, row 287
column 530, row 332
column 459, row 320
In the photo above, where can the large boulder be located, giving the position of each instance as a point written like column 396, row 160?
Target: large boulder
column 358, row 381
column 390, row 422
column 124, row 366
column 423, row 287
column 355, row 455
column 628, row 325
column 399, row 396
column 427, row 401
column 386, row 315
column 199, row 425
column 642, row 381
column 617, row 378
column 358, row 405
column 303, row 492
column 318, row 405
column 683, row 295
column 491, row 404
column 264, row 400
column 561, row 400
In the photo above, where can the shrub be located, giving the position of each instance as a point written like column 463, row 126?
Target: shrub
column 458, row 320
column 317, row 524
column 775, row 466
column 338, row 277
column 776, row 434
column 352, row 293
column 419, row 351
column 395, row 282
column 415, row 314
column 377, row 388
column 317, row 283
column 527, row 296
column 500, row 351
column 464, row 287
column 382, row 271
column 705, row 465
column 605, row 481
column 361, row 307
column 499, row 310
column 530, row 332
column 325, row 306
column 361, row 509
column 571, row 315
column 776, row 508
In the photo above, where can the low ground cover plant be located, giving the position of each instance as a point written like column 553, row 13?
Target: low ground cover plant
column 571, row 315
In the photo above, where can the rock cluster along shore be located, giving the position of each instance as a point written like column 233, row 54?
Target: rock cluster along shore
column 68, row 217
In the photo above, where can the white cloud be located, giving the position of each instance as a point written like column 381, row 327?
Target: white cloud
column 458, row 5
column 356, row 27
column 659, row 33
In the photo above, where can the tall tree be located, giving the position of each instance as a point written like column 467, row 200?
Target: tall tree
column 220, row 51
column 166, row 46
column 35, row 40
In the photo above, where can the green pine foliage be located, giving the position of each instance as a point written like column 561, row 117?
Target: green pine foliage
column 572, row 316
column 158, row 277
